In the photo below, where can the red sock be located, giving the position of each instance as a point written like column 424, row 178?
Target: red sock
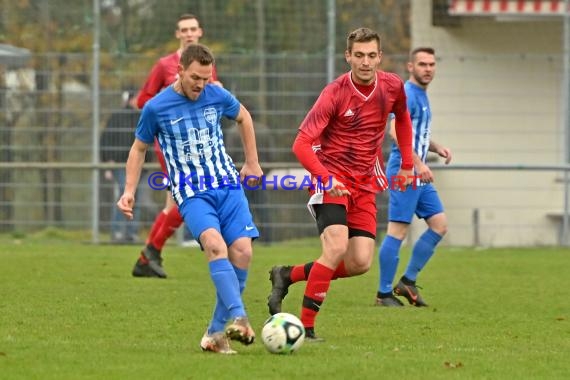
column 300, row 272
column 318, row 284
column 172, row 221
column 340, row 271
column 158, row 221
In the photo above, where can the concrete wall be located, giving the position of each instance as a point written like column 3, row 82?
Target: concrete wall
column 496, row 99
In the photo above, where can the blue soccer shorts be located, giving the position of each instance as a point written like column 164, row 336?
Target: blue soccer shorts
column 225, row 209
column 422, row 201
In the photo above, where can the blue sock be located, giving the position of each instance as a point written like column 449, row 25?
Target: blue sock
column 220, row 317
column 388, row 259
column 242, row 278
column 421, row 253
column 227, row 287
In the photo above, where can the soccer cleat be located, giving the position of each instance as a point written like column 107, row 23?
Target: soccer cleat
column 280, row 281
column 410, row 292
column 149, row 264
column 241, row 330
column 388, row 302
column 310, row 335
column 217, row 342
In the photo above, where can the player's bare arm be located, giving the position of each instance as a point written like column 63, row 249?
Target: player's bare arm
column 133, row 170
column 441, row 150
column 251, row 167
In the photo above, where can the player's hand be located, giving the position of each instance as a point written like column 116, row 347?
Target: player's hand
column 336, row 189
column 252, row 172
column 424, row 173
column 126, row 204
column 445, row 153
column 405, row 177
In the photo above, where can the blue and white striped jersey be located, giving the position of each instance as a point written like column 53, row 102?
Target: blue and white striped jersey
column 420, row 112
column 190, row 136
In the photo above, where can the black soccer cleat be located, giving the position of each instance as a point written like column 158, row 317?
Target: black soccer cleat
column 280, row 277
column 390, row 301
column 410, row 291
column 149, row 264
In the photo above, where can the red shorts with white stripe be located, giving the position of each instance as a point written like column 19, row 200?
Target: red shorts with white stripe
column 360, row 207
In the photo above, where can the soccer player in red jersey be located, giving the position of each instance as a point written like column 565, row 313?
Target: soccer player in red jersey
column 164, row 73
column 339, row 143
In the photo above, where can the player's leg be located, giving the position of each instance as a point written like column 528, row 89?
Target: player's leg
column 172, row 221
column 401, row 207
column 238, row 231
column 388, row 259
column 361, row 221
column 215, row 338
column 220, row 268
column 332, row 225
column 209, row 229
column 283, row 276
column 430, row 208
column 149, row 263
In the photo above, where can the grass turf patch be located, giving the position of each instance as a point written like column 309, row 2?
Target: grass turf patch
column 73, row 311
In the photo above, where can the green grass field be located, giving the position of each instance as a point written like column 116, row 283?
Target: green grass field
column 72, row 311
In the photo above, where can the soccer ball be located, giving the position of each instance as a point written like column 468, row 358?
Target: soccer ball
column 283, row 333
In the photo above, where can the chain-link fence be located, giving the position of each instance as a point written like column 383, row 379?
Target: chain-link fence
column 276, row 56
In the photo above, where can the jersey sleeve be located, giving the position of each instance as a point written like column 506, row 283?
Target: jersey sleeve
column 147, row 127
column 231, row 104
column 404, row 129
column 310, row 130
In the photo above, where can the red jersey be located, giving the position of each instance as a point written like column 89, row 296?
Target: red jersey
column 347, row 129
column 163, row 73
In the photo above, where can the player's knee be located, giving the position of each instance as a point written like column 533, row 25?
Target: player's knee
column 337, row 248
column 438, row 224
column 358, row 268
column 398, row 230
column 241, row 252
column 358, row 264
column 441, row 230
column 213, row 244
column 335, row 241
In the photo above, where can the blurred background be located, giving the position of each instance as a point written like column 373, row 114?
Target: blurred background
column 499, row 101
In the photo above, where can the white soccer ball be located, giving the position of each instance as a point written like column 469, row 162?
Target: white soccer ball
column 283, row 333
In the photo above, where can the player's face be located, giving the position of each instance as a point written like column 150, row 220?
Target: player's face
column 364, row 60
column 188, row 32
column 422, row 69
column 194, row 79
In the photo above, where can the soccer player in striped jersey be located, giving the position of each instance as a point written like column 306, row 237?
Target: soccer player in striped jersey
column 167, row 221
column 346, row 124
column 420, row 199
column 186, row 119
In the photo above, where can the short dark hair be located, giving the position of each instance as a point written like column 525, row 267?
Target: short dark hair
column 187, row 16
column 196, row 52
column 421, row 49
column 362, row 35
